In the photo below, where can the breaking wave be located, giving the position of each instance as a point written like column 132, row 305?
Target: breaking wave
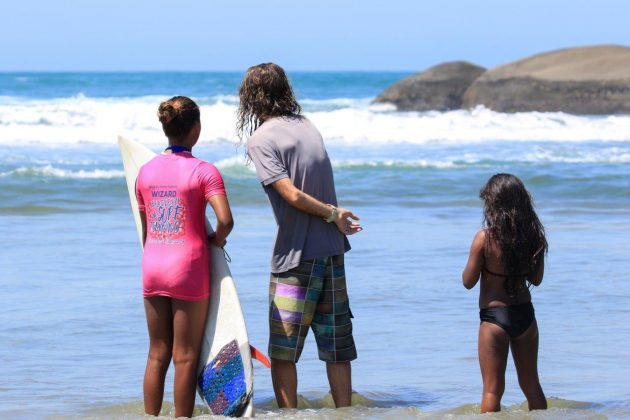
column 82, row 119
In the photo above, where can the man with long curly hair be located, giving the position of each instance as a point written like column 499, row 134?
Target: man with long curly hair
column 308, row 286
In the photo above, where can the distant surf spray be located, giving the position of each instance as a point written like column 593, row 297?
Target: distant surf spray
column 81, row 119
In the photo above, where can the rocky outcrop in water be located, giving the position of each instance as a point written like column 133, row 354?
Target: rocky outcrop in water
column 438, row 88
column 588, row 80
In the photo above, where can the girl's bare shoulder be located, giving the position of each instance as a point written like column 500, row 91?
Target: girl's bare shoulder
column 480, row 238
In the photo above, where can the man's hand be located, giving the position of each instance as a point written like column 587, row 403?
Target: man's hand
column 304, row 202
column 344, row 222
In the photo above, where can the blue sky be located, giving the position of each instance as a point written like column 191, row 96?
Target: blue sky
column 402, row 35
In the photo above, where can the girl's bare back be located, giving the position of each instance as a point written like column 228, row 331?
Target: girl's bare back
column 484, row 263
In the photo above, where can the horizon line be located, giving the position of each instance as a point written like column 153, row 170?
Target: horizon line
column 207, row 71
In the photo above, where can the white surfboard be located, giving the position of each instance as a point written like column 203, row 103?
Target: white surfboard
column 224, row 374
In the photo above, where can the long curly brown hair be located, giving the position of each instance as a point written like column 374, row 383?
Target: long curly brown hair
column 265, row 93
column 512, row 224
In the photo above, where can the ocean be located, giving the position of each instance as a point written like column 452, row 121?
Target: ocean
column 73, row 338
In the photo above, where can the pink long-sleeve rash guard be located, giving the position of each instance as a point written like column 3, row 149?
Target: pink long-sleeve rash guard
column 172, row 190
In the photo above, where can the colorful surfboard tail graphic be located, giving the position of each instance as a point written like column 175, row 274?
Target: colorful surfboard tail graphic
column 222, row 383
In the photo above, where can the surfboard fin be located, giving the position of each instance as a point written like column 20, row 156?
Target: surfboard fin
column 260, row 356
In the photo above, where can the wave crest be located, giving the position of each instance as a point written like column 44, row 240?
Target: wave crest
column 346, row 121
column 51, row 172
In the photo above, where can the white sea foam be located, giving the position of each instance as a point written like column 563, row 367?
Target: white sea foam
column 52, row 172
column 346, row 121
column 605, row 155
column 369, row 125
column 239, row 161
column 460, row 159
column 451, row 162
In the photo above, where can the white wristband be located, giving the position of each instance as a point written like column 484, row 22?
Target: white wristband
column 333, row 214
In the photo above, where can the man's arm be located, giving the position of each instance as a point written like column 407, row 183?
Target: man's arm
column 308, row 204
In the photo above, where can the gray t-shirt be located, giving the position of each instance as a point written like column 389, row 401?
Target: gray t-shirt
column 291, row 147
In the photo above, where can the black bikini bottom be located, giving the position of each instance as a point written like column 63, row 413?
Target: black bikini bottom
column 514, row 319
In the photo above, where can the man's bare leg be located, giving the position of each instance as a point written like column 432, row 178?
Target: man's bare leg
column 284, row 378
column 340, row 380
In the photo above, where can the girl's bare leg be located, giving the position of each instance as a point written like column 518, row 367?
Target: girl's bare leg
column 160, row 326
column 493, row 347
column 189, row 321
column 525, row 354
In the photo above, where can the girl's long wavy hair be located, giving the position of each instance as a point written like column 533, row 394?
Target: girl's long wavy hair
column 512, row 224
column 265, row 92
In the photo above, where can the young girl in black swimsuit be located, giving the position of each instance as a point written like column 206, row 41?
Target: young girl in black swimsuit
column 508, row 255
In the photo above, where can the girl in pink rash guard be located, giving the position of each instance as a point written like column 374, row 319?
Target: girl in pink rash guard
column 175, row 260
column 173, row 190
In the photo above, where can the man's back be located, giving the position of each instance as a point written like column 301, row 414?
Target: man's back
column 291, row 147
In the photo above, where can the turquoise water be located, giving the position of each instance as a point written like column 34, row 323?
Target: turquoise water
column 73, row 336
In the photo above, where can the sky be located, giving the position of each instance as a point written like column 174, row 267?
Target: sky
column 365, row 35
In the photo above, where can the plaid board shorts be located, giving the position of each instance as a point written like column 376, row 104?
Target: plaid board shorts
column 311, row 295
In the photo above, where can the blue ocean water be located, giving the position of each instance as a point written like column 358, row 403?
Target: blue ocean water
column 73, row 336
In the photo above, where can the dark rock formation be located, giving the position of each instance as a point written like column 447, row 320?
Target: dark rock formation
column 438, row 88
column 588, row 80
